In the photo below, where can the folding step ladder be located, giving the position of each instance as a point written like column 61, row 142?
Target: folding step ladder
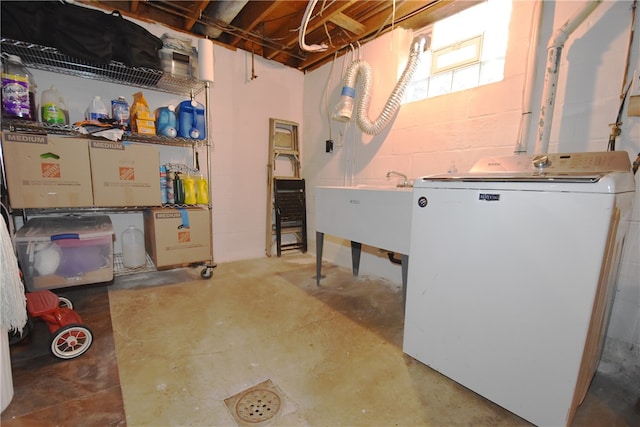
column 286, row 223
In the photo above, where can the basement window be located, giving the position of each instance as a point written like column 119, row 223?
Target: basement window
column 467, row 50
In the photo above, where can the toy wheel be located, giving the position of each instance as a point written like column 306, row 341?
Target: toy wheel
column 18, row 336
column 71, row 341
column 64, row 302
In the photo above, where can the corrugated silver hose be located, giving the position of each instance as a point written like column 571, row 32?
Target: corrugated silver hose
column 363, row 69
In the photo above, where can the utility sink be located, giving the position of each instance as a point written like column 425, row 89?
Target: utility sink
column 376, row 215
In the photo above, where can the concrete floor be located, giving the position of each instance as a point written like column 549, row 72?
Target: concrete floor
column 260, row 344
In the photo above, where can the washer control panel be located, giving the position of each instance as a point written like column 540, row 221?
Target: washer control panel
column 555, row 164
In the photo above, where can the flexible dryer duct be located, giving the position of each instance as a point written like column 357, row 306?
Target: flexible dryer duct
column 363, row 69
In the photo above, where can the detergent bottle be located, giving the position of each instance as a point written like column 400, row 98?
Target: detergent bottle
column 202, row 191
column 166, row 122
column 18, row 90
column 52, row 107
column 96, row 109
column 191, row 120
column 189, row 190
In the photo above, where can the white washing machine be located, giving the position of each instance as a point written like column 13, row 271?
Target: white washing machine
column 512, row 276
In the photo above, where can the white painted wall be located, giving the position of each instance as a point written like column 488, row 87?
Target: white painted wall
column 427, row 136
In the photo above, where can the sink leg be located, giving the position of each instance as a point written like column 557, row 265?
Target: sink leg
column 405, row 271
column 356, row 249
column 319, row 243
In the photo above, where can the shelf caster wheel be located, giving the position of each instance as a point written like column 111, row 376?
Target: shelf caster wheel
column 207, row 272
column 71, row 341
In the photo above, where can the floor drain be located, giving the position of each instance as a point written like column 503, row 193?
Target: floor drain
column 258, row 405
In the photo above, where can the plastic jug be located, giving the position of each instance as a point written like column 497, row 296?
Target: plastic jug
column 133, row 252
column 52, row 107
column 166, row 121
column 96, row 109
column 191, row 122
column 18, row 90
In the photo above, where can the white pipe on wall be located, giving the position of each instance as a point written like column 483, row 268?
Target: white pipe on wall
column 554, row 54
column 527, row 101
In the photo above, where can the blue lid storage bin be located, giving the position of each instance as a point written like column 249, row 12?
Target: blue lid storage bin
column 59, row 252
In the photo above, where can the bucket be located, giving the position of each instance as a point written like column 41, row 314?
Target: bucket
column 133, row 252
column 191, row 122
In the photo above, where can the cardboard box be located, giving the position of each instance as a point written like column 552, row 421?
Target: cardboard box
column 177, row 237
column 145, row 130
column 146, row 115
column 125, row 174
column 58, row 252
column 144, row 126
column 47, row 171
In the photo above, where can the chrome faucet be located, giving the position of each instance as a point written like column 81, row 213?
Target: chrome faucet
column 405, row 182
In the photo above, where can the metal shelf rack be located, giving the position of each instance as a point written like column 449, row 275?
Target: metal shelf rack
column 51, row 59
column 15, row 125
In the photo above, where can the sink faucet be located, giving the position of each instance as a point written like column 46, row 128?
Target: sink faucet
column 405, row 182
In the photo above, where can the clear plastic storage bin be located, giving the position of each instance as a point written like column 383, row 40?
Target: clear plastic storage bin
column 58, row 252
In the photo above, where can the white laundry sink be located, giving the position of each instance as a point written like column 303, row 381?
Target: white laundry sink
column 378, row 216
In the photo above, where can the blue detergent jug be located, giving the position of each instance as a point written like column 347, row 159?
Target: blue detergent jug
column 191, row 121
column 166, row 121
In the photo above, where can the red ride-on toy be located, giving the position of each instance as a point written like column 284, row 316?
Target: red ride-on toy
column 70, row 337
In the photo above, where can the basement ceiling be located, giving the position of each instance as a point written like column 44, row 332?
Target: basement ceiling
column 270, row 29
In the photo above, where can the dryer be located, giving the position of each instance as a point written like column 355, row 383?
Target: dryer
column 512, row 275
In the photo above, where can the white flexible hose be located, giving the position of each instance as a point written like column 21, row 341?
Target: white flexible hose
column 363, row 69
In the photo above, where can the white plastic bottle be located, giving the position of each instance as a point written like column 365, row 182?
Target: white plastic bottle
column 133, row 252
column 96, row 109
column 51, row 110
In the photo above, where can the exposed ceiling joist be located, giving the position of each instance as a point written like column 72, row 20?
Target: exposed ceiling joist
column 270, row 28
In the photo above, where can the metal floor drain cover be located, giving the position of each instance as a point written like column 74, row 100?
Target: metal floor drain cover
column 258, row 405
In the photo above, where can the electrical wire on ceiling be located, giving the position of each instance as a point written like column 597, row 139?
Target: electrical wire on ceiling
column 326, row 94
column 303, row 29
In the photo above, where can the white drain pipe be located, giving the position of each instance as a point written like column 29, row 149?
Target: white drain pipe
column 527, row 101
column 554, row 53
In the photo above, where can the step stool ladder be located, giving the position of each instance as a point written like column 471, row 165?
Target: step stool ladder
column 283, row 168
column 291, row 213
